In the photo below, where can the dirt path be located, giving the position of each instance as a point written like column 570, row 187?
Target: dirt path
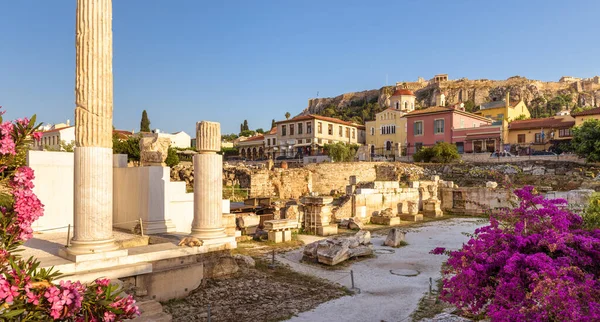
column 385, row 296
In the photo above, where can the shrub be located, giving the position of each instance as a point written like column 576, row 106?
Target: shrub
column 591, row 213
column 172, row 158
column 535, row 262
column 441, row 152
column 341, row 152
column 27, row 292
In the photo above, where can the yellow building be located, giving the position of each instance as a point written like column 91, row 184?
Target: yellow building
column 582, row 116
column 306, row 135
column 540, row 134
column 386, row 134
column 502, row 110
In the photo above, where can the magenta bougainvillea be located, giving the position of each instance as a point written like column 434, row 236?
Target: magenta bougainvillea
column 27, row 292
column 531, row 263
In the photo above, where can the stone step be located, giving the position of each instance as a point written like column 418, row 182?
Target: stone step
column 152, row 311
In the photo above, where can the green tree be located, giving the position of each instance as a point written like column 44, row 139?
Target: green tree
column 245, row 126
column 287, row 115
column 586, row 140
column 273, row 123
column 172, row 158
column 229, row 151
column 131, row 147
column 67, row 147
column 145, row 123
column 470, row 106
column 247, row 133
column 229, row 137
column 260, row 130
column 441, row 152
column 591, row 213
column 520, row 118
column 341, row 152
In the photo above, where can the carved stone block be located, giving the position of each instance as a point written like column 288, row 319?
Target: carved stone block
column 153, row 150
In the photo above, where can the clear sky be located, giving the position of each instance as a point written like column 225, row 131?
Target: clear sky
column 190, row 60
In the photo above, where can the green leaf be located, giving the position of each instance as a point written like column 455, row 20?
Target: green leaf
column 12, row 313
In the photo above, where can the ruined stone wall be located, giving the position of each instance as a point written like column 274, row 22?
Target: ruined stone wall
column 556, row 175
column 474, row 200
column 377, row 201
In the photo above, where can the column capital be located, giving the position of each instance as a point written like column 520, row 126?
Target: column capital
column 208, row 137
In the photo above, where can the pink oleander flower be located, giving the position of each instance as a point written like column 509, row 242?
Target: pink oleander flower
column 7, row 291
column 37, row 135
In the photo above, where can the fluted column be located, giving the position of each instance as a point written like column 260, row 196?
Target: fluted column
column 93, row 129
column 208, row 182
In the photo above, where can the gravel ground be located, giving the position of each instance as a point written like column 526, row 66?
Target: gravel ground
column 383, row 295
column 254, row 295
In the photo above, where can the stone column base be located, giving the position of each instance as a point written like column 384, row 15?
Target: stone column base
column 208, row 233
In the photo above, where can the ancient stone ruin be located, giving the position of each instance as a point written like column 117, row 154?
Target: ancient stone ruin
column 333, row 251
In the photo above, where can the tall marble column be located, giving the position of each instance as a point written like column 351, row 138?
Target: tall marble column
column 208, row 183
column 93, row 129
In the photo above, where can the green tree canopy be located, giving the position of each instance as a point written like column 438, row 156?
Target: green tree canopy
column 172, row 158
column 273, row 123
column 441, row 152
column 131, row 147
column 287, row 115
column 341, row 152
column 145, row 123
column 245, row 126
column 260, row 130
column 586, row 140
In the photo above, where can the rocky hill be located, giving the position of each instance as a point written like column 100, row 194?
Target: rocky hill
column 543, row 98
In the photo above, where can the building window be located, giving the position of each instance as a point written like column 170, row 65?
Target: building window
column 500, row 117
column 406, row 105
column 308, row 127
column 341, row 131
column 283, row 130
column 299, row 141
column 490, row 145
column 300, row 128
column 320, row 128
column 273, row 141
column 438, row 126
column 353, row 133
column 291, row 129
column 307, row 140
column 268, row 141
column 462, row 123
column 320, row 141
column 348, row 132
column 330, row 129
column 538, row 138
column 521, row 138
column 564, row 133
column 397, row 105
column 418, row 129
column 372, row 131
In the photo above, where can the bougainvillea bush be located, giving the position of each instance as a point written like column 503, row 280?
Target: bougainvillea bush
column 27, row 292
column 535, row 262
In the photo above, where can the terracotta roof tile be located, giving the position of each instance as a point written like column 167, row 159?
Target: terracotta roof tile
column 592, row 111
column 548, row 122
column 403, row 92
column 255, row 138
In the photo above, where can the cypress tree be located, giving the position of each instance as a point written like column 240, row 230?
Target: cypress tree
column 145, row 123
column 273, row 123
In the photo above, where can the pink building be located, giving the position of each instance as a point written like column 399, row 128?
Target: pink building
column 448, row 124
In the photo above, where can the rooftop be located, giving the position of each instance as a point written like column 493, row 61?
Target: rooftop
column 496, row 104
column 592, row 111
column 444, row 109
column 403, row 92
column 322, row 118
column 548, row 122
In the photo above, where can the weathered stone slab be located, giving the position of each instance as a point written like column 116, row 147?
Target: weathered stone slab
column 338, row 249
column 327, row 230
column 275, row 236
column 395, row 237
column 389, row 221
column 417, row 217
column 245, row 220
column 317, row 200
column 280, row 224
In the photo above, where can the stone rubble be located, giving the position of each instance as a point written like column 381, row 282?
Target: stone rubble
column 253, row 295
column 395, row 237
column 333, row 251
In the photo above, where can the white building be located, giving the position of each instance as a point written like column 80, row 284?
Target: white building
column 180, row 140
column 52, row 138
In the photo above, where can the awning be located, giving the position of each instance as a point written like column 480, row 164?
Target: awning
column 302, row 144
column 483, row 137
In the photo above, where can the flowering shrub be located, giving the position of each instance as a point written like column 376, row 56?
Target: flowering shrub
column 532, row 263
column 26, row 291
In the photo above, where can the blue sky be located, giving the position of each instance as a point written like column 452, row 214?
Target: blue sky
column 190, row 60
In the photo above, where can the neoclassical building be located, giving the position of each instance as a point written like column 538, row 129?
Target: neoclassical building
column 386, row 134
